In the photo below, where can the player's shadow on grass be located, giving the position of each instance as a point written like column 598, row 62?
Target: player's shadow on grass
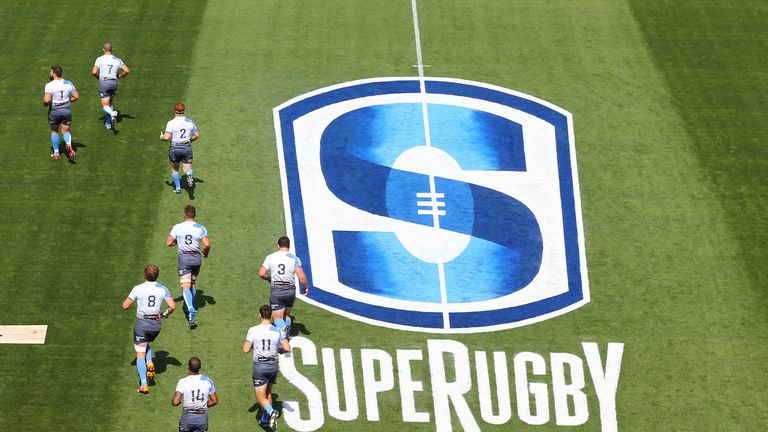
column 185, row 186
column 298, row 328
column 200, row 300
column 161, row 360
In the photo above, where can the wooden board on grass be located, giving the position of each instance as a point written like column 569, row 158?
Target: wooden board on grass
column 23, row 334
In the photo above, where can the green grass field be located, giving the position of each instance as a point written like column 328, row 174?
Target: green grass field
column 668, row 100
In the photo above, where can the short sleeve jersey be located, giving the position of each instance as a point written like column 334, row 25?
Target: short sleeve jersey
column 265, row 339
column 60, row 89
column 181, row 130
column 148, row 297
column 188, row 235
column 282, row 266
column 109, row 66
column 195, row 390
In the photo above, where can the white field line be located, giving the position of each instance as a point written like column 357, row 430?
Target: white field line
column 428, row 143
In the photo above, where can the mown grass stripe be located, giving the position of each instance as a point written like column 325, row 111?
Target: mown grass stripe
column 76, row 234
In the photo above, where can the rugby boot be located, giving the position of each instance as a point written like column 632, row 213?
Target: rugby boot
column 273, row 420
column 55, row 156
column 190, row 181
column 150, row 370
column 71, row 152
column 192, row 316
column 144, row 389
column 114, row 118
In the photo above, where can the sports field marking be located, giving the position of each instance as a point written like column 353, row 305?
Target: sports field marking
column 23, row 334
column 428, row 143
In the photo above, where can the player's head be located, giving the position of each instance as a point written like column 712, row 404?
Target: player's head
column 56, row 71
column 189, row 211
column 194, row 365
column 284, row 242
column 107, row 47
column 151, row 272
column 179, row 108
column 265, row 312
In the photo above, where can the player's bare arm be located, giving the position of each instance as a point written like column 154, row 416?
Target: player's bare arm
column 95, row 71
column 176, row 401
column 124, row 71
column 195, row 136
column 47, row 99
column 127, row 303
column 263, row 274
column 213, row 399
column 247, row 346
column 303, row 280
column 165, row 136
column 74, row 96
column 206, row 247
column 171, row 307
column 285, row 346
column 170, row 241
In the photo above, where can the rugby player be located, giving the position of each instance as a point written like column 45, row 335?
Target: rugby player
column 198, row 394
column 180, row 131
column 192, row 241
column 266, row 341
column 108, row 69
column 58, row 97
column 148, row 297
column 281, row 269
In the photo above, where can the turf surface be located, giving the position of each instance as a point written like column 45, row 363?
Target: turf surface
column 666, row 98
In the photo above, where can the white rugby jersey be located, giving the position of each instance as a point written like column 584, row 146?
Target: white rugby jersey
column 188, row 235
column 282, row 266
column 195, row 389
column 181, row 130
column 148, row 297
column 109, row 66
column 265, row 339
column 60, row 89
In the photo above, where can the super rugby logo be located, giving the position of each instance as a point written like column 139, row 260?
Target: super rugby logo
column 440, row 205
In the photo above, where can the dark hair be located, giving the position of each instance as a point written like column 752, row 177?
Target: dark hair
column 56, row 69
column 194, row 365
column 265, row 311
column 151, row 272
column 189, row 211
column 284, row 242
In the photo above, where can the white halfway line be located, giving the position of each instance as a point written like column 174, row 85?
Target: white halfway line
column 23, row 334
column 428, row 143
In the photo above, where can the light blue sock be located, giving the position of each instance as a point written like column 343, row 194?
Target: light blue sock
column 280, row 323
column 141, row 365
column 269, row 409
column 194, row 292
column 108, row 119
column 188, row 299
column 288, row 321
column 110, row 112
column 189, row 172
column 149, row 353
column 55, row 142
column 176, row 179
column 67, row 138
